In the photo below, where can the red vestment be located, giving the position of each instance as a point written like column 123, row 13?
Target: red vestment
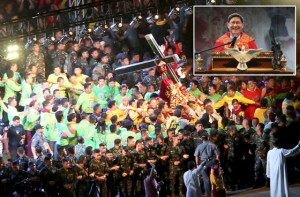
column 252, row 95
column 171, row 92
column 244, row 40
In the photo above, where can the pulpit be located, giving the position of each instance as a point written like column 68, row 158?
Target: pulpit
column 224, row 63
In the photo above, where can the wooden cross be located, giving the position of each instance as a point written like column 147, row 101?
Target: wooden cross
column 154, row 62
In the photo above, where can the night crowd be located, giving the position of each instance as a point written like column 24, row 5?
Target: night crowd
column 69, row 126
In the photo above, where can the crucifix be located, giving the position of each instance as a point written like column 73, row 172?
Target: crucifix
column 154, row 62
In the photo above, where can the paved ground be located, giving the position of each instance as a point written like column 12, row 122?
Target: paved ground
column 265, row 192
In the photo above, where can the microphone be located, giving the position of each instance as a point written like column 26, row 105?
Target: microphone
column 233, row 41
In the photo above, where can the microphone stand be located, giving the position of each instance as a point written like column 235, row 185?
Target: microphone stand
column 198, row 52
column 199, row 60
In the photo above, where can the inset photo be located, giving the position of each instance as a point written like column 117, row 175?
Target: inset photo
column 244, row 40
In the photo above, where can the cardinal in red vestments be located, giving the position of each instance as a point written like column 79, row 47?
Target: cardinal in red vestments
column 235, row 25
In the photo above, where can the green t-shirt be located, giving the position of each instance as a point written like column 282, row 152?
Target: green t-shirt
column 196, row 92
column 80, row 126
column 215, row 98
column 86, row 101
column 89, row 135
column 48, row 121
column 63, row 130
column 125, row 135
column 110, row 140
column 102, row 94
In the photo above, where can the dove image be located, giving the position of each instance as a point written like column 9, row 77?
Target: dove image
column 243, row 56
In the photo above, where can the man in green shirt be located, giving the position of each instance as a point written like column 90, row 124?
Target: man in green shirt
column 123, row 93
column 26, row 89
column 54, row 76
column 90, row 132
column 128, row 124
column 113, row 89
column 194, row 88
column 110, row 138
column 84, row 122
column 87, row 99
column 63, row 131
column 212, row 95
column 75, row 89
column 48, row 121
column 11, row 86
column 101, row 91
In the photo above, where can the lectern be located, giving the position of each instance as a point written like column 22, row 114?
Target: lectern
column 224, row 63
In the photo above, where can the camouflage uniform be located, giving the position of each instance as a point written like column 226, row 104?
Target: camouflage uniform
column 176, row 171
column 126, row 164
column 67, row 177
column 59, row 58
column 100, row 168
column 162, row 167
column 70, row 62
column 83, row 63
column 39, row 61
column 151, row 153
column 113, row 179
column 46, row 175
column 232, row 154
column 82, row 187
column 139, row 173
column 99, row 70
column 116, row 152
column 260, row 155
column 154, row 80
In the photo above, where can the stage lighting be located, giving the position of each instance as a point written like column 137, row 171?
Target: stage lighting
column 12, row 51
column 189, row 10
column 174, row 13
column 136, row 21
column 150, row 19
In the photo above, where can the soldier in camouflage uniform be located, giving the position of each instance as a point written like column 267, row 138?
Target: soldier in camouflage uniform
column 48, row 177
column 60, row 55
column 176, row 159
column 151, row 78
column 49, row 55
column 140, row 170
column 114, row 175
column 102, row 67
column 126, row 163
column 150, row 150
column 82, row 187
column 100, row 169
column 233, row 141
column 260, row 139
column 82, row 62
column 72, row 58
column 162, row 166
column 67, row 179
column 117, row 149
column 37, row 58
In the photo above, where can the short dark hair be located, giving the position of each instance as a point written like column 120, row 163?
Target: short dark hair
column 191, row 165
column 59, row 116
column 86, row 85
column 113, row 128
column 235, row 15
column 111, row 103
column 16, row 118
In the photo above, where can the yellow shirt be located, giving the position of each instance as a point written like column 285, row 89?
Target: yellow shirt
column 228, row 100
column 259, row 113
column 121, row 115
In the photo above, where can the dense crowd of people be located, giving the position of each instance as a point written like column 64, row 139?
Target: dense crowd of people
column 70, row 126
